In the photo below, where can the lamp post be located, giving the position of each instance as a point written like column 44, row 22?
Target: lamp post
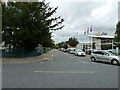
column 76, row 35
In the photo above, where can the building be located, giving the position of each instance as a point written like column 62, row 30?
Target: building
column 101, row 42
column 98, row 41
column 84, row 45
column 1, row 45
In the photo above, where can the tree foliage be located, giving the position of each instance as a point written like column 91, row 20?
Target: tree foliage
column 27, row 24
column 65, row 45
column 117, row 34
column 61, row 45
column 72, row 41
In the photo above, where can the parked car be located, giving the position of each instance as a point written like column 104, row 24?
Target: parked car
column 79, row 53
column 65, row 50
column 61, row 49
column 114, row 50
column 72, row 50
column 105, row 56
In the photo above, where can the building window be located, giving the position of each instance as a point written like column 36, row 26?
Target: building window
column 106, row 47
column 106, row 40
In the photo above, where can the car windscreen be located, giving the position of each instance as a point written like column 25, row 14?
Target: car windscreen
column 112, row 53
column 79, row 51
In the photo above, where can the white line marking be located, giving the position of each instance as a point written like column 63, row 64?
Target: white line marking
column 42, row 62
column 52, row 56
column 85, row 62
column 74, row 72
column 46, row 58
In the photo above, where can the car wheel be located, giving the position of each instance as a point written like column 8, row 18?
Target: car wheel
column 93, row 59
column 115, row 62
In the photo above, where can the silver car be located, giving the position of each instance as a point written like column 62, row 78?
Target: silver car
column 105, row 56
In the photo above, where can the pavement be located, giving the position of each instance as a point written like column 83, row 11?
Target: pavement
column 42, row 58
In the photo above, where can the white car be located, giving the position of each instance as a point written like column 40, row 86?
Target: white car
column 79, row 53
column 72, row 50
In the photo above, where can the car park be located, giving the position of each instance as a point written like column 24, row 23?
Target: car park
column 105, row 56
column 79, row 53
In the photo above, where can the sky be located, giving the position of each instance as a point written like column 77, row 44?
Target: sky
column 79, row 15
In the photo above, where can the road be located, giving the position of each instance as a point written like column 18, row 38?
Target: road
column 63, row 70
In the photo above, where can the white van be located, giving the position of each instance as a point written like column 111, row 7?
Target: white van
column 72, row 50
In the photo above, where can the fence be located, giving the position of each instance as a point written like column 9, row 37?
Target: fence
column 21, row 53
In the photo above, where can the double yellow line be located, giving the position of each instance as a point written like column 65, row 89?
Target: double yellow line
column 52, row 56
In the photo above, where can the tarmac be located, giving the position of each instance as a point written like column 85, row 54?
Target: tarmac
column 41, row 58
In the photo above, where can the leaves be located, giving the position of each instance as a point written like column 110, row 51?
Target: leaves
column 72, row 41
column 117, row 34
column 27, row 24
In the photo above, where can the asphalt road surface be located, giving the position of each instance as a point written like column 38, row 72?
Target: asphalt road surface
column 63, row 70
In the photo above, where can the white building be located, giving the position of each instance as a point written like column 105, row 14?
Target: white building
column 101, row 42
column 83, row 45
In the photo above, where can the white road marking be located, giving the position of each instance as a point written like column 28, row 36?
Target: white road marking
column 78, row 62
column 66, row 72
column 42, row 62
column 52, row 56
column 85, row 62
column 94, row 63
column 46, row 58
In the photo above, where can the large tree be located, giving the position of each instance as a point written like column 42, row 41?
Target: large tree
column 72, row 41
column 27, row 24
column 117, row 34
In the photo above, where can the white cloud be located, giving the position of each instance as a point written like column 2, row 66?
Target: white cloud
column 103, row 16
column 101, row 12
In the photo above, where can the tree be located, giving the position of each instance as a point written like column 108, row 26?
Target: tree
column 72, row 41
column 65, row 45
column 27, row 24
column 61, row 45
column 117, row 34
